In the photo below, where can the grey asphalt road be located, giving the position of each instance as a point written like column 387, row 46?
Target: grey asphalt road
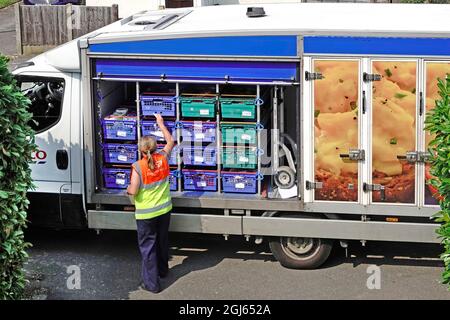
column 208, row 267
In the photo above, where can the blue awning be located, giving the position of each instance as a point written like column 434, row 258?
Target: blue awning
column 197, row 70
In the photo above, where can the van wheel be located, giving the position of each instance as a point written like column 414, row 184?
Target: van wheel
column 301, row 253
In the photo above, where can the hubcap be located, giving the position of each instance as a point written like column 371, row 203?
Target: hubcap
column 284, row 178
column 300, row 245
column 300, row 248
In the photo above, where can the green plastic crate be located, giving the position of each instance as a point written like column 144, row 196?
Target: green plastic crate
column 198, row 107
column 239, row 158
column 238, row 108
column 238, row 133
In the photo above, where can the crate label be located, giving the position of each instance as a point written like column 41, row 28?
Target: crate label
column 120, row 182
column 246, row 137
column 198, row 159
column 121, row 133
column 240, row 185
column 246, row 113
column 200, row 135
column 243, row 159
column 158, row 134
column 201, row 184
column 204, row 112
column 121, row 157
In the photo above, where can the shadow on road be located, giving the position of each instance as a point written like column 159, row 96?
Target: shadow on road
column 112, row 260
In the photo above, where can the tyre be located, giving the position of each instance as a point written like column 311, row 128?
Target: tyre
column 301, row 253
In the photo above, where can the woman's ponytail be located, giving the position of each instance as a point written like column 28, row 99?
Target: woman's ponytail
column 147, row 145
column 150, row 163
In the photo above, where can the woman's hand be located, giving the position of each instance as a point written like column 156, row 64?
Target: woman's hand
column 159, row 119
column 167, row 135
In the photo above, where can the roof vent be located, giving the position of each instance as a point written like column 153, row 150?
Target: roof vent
column 254, row 12
column 144, row 22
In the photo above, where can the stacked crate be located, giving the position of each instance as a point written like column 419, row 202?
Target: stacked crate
column 199, row 134
column 119, row 148
column 239, row 144
column 216, row 141
column 164, row 104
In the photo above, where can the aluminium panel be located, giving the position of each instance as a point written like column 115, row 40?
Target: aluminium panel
column 262, row 45
column 377, row 45
column 211, row 200
column 340, row 229
column 195, row 223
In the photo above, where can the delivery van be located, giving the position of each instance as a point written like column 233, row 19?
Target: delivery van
column 299, row 123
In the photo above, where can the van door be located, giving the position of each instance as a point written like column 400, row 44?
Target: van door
column 49, row 94
column 394, row 142
column 336, row 130
column 433, row 70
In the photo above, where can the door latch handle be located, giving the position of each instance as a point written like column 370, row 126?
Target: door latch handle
column 421, row 103
column 62, row 159
column 364, row 102
column 415, row 156
column 370, row 77
column 310, row 185
column 375, row 187
column 354, row 154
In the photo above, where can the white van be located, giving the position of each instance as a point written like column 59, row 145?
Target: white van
column 303, row 123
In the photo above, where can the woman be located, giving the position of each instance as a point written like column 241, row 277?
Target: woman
column 151, row 190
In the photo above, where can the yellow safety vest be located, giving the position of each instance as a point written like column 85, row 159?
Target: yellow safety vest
column 153, row 198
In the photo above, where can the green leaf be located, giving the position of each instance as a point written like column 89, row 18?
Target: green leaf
column 16, row 145
column 437, row 122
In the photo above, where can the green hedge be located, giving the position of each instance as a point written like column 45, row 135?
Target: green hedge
column 16, row 147
column 438, row 123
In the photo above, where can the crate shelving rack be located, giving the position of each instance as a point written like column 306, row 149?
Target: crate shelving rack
column 217, row 118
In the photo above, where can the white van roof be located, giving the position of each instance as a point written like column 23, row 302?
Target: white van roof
column 306, row 18
column 427, row 20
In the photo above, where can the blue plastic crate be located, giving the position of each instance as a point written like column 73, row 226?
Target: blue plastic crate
column 239, row 182
column 198, row 131
column 151, row 128
column 119, row 129
column 164, row 105
column 173, row 154
column 116, row 178
column 199, row 156
column 200, row 180
column 120, row 153
column 173, row 179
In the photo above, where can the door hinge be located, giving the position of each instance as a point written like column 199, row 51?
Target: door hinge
column 313, row 185
column 375, row 187
column 354, row 154
column 310, row 76
column 369, row 77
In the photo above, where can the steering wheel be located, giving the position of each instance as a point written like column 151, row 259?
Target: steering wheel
column 56, row 90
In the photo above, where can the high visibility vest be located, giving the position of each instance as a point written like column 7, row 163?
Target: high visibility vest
column 153, row 198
